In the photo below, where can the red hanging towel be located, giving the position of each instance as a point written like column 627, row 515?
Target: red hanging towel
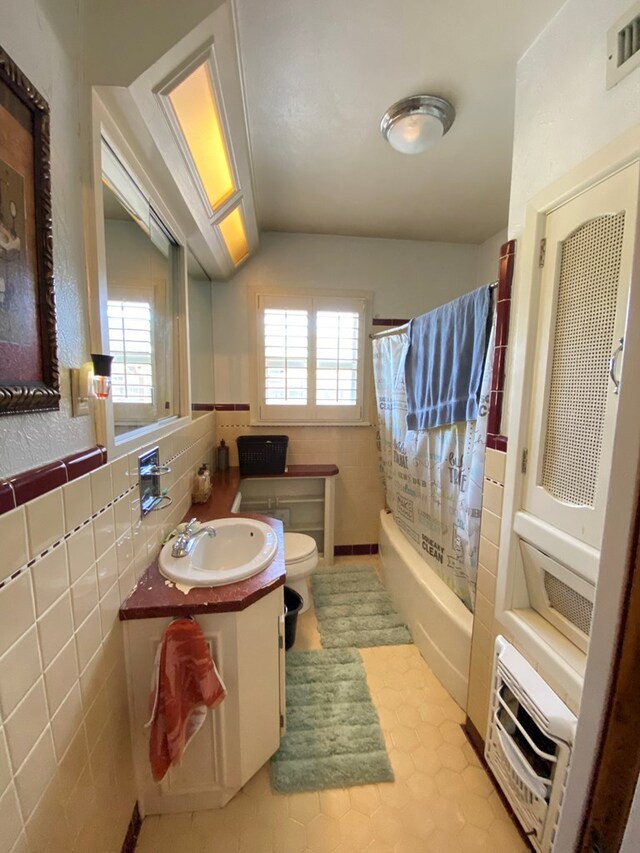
column 186, row 684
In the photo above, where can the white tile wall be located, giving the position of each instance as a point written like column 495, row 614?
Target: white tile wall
column 66, row 780
column 359, row 490
column 486, row 627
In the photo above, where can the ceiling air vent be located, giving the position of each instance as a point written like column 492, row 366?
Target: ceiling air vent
column 623, row 46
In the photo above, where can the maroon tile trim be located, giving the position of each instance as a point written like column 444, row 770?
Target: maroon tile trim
column 83, row 462
column 355, row 550
column 133, row 831
column 232, row 407
column 380, row 321
column 495, row 440
column 32, row 484
column 7, row 498
column 203, row 407
column 38, row 481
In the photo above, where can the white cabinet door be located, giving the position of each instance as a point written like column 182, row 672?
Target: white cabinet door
column 584, row 290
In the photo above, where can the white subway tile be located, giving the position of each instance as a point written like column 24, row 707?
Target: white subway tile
column 101, row 489
column 490, row 526
column 5, row 766
column 67, row 720
column 36, row 773
column 484, row 610
column 122, row 515
column 84, row 596
column 13, row 535
column 494, row 465
column 16, row 598
column 488, row 555
column 55, row 628
column 47, row 827
column 88, row 637
column 26, row 723
column 45, row 521
column 124, row 552
column 72, row 763
column 104, row 531
column 486, row 583
column 492, row 497
column 76, row 497
column 81, row 551
column 107, row 568
column 50, row 577
column 120, row 475
column 10, row 819
column 109, row 607
column 61, row 675
column 19, row 670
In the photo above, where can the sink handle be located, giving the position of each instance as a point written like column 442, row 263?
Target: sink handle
column 189, row 529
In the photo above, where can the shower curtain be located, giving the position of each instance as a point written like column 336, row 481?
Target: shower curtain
column 433, row 478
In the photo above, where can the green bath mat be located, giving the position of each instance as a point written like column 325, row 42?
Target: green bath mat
column 333, row 737
column 354, row 609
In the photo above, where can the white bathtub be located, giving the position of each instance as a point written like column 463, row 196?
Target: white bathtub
column 439, row 622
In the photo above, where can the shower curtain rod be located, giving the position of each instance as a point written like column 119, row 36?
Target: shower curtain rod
column 395, row 330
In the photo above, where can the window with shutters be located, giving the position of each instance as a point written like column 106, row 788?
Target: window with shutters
column 310, row 358
column 130, row 344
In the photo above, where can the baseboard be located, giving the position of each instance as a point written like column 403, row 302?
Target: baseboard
column 477, row 745
column 355, row 550
column 133, row 831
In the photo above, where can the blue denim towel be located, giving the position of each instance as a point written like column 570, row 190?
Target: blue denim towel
column 445, row 360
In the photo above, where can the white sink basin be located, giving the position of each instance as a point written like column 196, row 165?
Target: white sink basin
column 241, row 548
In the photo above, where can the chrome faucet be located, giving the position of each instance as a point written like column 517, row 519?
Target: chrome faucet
column 186, row 541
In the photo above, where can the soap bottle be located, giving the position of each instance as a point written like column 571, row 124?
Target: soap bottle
column 223, row 456
column 201, row 486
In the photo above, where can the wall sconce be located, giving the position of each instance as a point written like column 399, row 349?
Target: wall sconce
column 93, row 379
column 101, row 375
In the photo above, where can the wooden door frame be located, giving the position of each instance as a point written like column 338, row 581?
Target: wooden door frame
column 617, row 764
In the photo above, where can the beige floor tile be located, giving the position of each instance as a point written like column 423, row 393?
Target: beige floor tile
column 441, row 801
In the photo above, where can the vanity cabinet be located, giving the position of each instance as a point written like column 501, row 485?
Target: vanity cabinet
column 304, row 504
column 239, row 736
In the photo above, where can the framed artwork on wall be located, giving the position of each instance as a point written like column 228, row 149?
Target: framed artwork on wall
column 29, row 378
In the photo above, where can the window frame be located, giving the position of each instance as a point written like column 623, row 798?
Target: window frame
column 311, row 413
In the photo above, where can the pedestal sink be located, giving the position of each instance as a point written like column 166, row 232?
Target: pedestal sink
column 241, row 548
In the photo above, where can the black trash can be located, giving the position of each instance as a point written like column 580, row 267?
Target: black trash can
column 292, row 606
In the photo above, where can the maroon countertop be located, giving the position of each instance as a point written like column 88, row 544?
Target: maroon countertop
column 154, row 596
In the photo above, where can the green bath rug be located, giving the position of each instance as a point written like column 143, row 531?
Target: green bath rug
column 333, row 737
column 354, row 609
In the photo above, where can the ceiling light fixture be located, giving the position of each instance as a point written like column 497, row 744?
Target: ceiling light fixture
column 414, row 124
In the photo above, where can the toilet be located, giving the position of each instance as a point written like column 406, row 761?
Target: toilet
column 301, row 558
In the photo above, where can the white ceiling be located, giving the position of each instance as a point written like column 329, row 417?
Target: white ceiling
column 319, row 75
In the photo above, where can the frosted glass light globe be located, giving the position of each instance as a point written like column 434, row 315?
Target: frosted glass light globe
column 415, row 124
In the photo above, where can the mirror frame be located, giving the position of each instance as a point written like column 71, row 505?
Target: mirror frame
column 105, row 127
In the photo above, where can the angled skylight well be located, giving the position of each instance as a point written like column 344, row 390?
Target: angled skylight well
column 198, row 117
column 234, row 235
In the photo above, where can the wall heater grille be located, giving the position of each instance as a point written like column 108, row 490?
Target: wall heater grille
column 529, row 742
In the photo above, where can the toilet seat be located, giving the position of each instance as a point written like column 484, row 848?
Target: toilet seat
column 300, row 559
column 298, row 547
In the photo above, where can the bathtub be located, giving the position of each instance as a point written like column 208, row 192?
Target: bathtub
column 439, row 622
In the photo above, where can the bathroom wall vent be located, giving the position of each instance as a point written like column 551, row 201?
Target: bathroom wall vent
column 623, row 46
column 529, row 744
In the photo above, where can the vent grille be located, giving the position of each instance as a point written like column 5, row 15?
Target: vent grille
column 584, row 330
column 628, row 41
column 623, row 46
column 569, row 603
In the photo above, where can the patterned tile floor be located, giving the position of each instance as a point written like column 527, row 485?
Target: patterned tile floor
column 442, row 801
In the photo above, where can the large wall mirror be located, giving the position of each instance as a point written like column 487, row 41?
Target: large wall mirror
column 142, row 305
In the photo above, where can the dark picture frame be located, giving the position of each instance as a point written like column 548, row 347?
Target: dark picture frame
column 29, row 373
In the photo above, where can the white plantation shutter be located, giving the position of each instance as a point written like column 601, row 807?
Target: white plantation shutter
column 337, row 339
column 310, row 354
column 286, row 356
column 130, row 344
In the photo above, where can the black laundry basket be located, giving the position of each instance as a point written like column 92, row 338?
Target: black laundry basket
column 262, row 454
column 292, row 606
